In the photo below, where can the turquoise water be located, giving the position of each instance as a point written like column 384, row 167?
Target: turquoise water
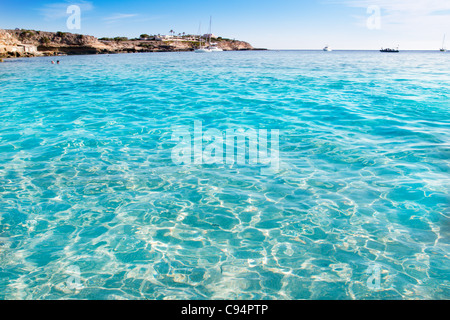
column 92, row 205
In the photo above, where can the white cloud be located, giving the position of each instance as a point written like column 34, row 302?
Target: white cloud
column 120, row 16
column 409, row 6
column 55, row 11
column 415, row 15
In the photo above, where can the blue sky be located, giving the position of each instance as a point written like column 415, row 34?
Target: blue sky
column 282, row 24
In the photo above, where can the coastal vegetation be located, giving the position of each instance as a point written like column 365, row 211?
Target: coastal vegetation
column 29, row 43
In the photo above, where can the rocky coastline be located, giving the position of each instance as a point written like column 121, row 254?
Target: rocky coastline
column 32, row 43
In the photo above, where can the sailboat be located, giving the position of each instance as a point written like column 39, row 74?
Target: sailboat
column 201, row 48
column 212, row 47
column 327, row 48
column 443, row 49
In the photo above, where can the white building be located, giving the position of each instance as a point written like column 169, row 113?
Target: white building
column 28, row 48
column 167, row 37
column 213, row 36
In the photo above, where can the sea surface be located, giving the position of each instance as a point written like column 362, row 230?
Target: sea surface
column 92, row 205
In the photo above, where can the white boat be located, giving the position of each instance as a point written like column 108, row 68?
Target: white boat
column 396, row 50
column 443, row 49
column 202, row 50
column 211, row 47
column 327, row 48
column 214, row 48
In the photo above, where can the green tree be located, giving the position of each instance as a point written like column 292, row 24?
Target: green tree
column 45, row 40
column 26, row 34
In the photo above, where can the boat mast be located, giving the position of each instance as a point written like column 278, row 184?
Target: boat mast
column 200, row 33
column 210, row 24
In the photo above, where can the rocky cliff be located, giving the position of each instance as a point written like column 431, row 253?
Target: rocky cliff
column 19, row 43
column 7, row 43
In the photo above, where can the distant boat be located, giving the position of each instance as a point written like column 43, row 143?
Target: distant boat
column 327, row 48
column 211, row 47
column 389, row 50
column 214, row 48
column 443, row 49
column 201, row 48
